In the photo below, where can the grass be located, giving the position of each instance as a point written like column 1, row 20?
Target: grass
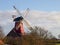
column 58, row 44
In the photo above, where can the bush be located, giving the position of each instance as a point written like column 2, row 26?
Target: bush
column 32, row 39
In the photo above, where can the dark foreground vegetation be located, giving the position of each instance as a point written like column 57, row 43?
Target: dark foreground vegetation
column 29, row 40
column 34, row 38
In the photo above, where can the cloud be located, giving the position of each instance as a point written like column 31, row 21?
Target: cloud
column 49, row 20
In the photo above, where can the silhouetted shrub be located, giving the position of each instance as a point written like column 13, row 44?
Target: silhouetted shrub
column 32, row 39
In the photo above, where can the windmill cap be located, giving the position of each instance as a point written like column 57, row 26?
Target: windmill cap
column 18, row 18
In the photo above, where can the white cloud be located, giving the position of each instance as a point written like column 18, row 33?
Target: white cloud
column 48, row 20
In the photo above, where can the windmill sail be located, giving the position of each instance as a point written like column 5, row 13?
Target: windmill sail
column 28, row 24
column 17, row 11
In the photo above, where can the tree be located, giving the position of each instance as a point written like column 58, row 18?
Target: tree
column 37, row 37
column 59, row 36
column 42, row 33
column 1, row 33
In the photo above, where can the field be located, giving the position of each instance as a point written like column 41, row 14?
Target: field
column 57, row 44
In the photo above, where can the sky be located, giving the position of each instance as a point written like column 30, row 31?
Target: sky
column 43, row 5
column 44, row 13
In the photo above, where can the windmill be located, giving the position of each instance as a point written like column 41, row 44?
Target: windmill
column 27, row 23
column 13, row 33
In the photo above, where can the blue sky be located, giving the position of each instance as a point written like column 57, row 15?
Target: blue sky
column 43, row 5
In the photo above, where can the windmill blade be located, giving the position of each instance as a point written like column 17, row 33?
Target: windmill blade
column 28, row 24
column 13, row 16
column 17, row 10
column 27, row 12
column 25, row 20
